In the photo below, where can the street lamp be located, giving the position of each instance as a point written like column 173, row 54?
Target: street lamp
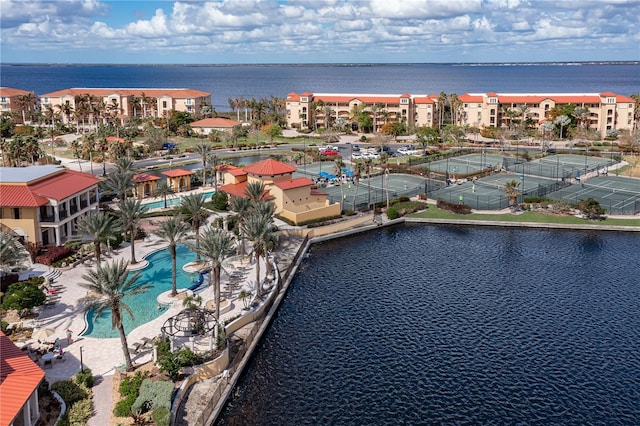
column 81, row 364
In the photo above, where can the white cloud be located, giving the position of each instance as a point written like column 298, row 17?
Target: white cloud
column 376, row 29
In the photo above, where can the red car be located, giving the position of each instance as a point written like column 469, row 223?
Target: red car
column 328, row 152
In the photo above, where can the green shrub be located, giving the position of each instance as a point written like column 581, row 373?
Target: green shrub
column 64, row 419
column 69, row 391
column 80, row 412
column 153, row 395
column 172, row 362
column 123, row 407
column 3, row 327
column 161, row 416
column 85, row 378
column 23, row 295
column 454, row 208
column 220, row 200
column 392, row 213
column 129, row 388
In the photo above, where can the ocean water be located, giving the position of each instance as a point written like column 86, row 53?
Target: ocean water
column 421, row 325
column 263, row 81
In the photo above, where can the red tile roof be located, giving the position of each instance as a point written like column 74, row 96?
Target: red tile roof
column 19, row 377
column 215, row 122
column 144, row 177
column 20, row 196
column 10, row 91
column 230, row 168
column 235, row 189
column 269, row 167
column 293, row 183
column 114, row 139
column 58, row 186
column 64, row 185
column 177, row 173
column 153, row 93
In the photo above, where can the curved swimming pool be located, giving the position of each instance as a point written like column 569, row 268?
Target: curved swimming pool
column 145, row 306
column 174, row 201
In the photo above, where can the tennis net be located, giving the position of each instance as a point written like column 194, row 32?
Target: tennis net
column 609, row 190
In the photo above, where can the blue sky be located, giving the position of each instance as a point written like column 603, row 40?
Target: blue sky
column 317, row 31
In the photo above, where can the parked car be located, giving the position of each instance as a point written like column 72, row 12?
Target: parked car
column 356, row 148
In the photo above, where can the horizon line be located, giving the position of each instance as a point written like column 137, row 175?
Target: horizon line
column 346, row 64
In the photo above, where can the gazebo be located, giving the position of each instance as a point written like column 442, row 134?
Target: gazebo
column 145, row 185
column 179, row 179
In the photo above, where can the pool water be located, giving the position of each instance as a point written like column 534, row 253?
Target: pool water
column 145, row 306
column 173, row 201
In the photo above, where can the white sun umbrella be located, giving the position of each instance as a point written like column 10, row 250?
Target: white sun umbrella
column 43, row 334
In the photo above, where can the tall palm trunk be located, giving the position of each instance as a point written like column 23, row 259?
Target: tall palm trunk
column 216, row 289
column 133, row 246
column 174, row 266
column 258, row 283
column 123, row 339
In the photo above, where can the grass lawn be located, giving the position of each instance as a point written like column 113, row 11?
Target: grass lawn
column 435, row 213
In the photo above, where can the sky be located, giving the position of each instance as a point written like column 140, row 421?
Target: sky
column 318, row 31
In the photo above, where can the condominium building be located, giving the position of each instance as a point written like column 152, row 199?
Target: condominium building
column 42, row 204
column 605, row 111
column 125, row 103
column 309, row 110
column 10, row 100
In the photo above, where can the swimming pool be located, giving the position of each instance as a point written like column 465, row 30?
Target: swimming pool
column 145, row 306
column 174, row 201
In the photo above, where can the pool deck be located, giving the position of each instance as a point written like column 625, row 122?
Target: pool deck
column 104, row 356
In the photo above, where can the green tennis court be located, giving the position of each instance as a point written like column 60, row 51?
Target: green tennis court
column 618, row 195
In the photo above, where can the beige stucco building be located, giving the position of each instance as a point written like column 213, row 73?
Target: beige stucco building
column 42, row 204
column 306, row 109
column 607, row 111
column 296, row 199
column 10, row 100
column 128, row 102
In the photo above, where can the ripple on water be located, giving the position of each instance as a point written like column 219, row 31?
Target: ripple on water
column 431, row 325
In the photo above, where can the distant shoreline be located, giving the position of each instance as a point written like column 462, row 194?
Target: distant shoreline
column 355, row 65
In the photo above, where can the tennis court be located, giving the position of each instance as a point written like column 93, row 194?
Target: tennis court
column 357, row 196
column 618, row 195
column 488, row 193
column 464, row 165
column 561, row 166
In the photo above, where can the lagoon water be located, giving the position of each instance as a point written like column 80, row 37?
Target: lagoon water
column 427, row 324
column 264, row 81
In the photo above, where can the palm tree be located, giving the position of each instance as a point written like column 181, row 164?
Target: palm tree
column 192, row 206
column 216, row 245
column 255, row 191
column 130, row 213
column 164, row 190
column 256, row 227
column 240, row 205
column 204, row 150
column 99, row 227
column 214, row 161
column 562, row 120
column 76, row 148
column 384, row 164
column 13, row 255
column 108, row 286
column 88, row 146
column 358, row 169
column 119, row 182
column 511, row 190
column 135, row 103
column 338, row 164
column 173, row 231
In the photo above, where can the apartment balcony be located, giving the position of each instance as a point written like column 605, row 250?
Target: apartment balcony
column 73, row 210
column 48, row 219
column 83, row 205
column 62, row 214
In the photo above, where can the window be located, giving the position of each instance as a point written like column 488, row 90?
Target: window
column 493, row 100
column 164, row 104
column 479, row 105
column 493, row 112
column 304, row 99
column 45, row 100
column 404, row 101
column 189, row 108
column 3, row 99
column 16, row 213
column 189, row 101
column 466, row 105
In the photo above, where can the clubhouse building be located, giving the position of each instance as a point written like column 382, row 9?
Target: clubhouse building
column 605, row 111
column 296, row 199
column 42, row 204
